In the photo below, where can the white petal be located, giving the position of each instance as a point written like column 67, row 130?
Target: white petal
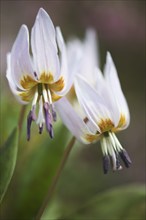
column 44, row 47
column 91, row 102
column 104, row 91
column 91, row 127
column 67, row 75
column 11, row 82
column 91, row 46
column 90, row 58
column 70, row 118
column 20, row 57
column 112, row 79
column 74, row 54
column 9, row 74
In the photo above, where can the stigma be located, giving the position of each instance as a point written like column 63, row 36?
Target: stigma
column 113, row 153
column 42, row 103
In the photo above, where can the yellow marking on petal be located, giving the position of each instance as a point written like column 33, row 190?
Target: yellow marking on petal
column 91, row 138
column 105, row 125
column 28, row 95
column 55, row 97
column 58, row 85
column 27, row 82
column 46, row 78
column 71, row 95
column 122, row 123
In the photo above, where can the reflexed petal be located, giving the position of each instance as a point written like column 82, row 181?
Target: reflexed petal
column 100, row 81
column 91, row 102
column 44, row 47
column 92, row 43
column 9, row 74
column 104, row 91
column 47, row 22
column 90, row 58
column 82, row 115
column 20, row 57
column 74, row 55
column 112, row 79
column 83, row 56
column 70, row 118
column 12, row 85
column 68, row 78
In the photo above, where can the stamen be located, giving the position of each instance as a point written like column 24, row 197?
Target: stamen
column 125, row 157
column 114, row 152
column 48, row 119
column 40, row 119
column 52, row 109
column 112, row 149
column 35, row 98
column 54, row 115
column 106, row 164
column 104, row 146
column 111, row 152
column 45, row 95
column 117, row 143
column 40, row 128
column 50, row 97
column 31, row 117
column 113, row 142
column 118, row 165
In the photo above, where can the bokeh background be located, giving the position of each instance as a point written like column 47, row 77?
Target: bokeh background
column 83, row 191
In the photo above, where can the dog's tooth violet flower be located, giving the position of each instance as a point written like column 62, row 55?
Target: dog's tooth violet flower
column 41, row 78
column 106, row 113
column 88, row 52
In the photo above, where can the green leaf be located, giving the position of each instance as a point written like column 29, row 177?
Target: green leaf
column 126, row 202
column 8, row 155
column 35, row 173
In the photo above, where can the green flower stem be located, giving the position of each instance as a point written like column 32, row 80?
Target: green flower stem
column 56, row 178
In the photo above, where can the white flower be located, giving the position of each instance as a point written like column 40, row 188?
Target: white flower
column 106, row 113
column 86, row 53
column 43, row 77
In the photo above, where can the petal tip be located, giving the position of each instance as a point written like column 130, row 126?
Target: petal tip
column 42, row 14
column 108, row 55
column 24, row 27
column 42, row 11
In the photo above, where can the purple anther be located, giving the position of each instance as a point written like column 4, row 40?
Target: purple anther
column 118, row 165
column 54, row 115
column 31, row 117
column 51, row 131
column 48, row 119
column 35, row 74
column 125, row 157
column 106, row 164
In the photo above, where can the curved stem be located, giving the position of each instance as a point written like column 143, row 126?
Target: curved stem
column 56, row 178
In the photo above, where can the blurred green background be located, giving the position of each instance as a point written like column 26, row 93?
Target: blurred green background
column 83, row 191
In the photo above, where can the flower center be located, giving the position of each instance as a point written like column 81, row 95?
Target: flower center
column 46, row 114
column 105, row 125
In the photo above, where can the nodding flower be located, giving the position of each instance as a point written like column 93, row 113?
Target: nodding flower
column 37, row 72
column 105, row 112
